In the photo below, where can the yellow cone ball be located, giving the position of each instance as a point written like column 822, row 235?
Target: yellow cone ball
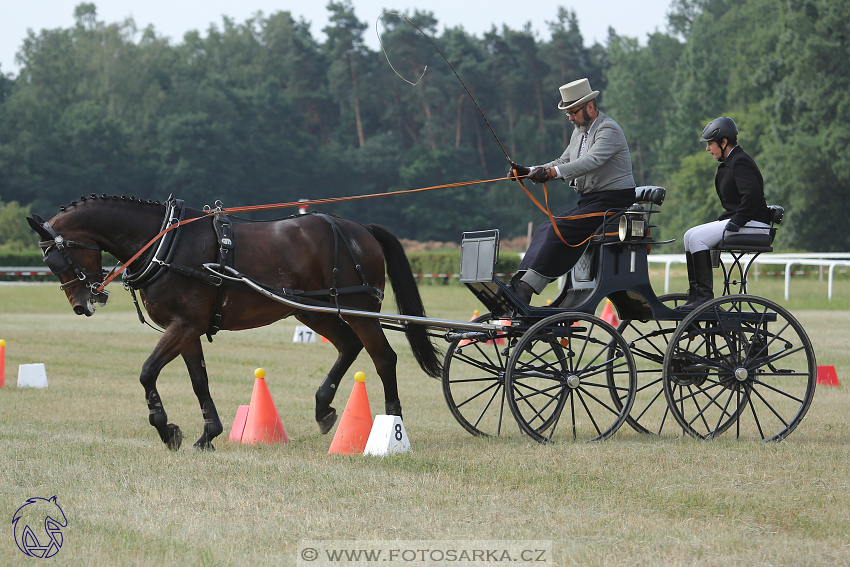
column 359, row 377
column 2, row 342
column 260, row 373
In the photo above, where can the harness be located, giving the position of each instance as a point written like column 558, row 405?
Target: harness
column 222, row 273
column 60, row 260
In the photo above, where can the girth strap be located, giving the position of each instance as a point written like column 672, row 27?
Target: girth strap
column 338, row 235
column 224, row 234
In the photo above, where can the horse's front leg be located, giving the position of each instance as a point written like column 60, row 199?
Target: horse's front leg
column 169, row 346
column 193, row 356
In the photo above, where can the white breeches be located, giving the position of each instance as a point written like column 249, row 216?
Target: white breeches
column 705, row 236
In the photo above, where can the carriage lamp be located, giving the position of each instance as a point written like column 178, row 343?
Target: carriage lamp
column 632, row 224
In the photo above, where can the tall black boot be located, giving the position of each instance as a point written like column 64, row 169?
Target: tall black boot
column 703, row 281
column 692, row 283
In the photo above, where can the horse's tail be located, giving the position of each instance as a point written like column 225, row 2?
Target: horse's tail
column 408, row 300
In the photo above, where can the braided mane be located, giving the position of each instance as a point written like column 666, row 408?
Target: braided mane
column 131, row 199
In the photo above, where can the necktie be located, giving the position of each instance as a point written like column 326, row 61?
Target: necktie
column 581, row 149
column 583, row 144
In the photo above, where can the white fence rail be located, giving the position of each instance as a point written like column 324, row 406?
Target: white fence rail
column 829, row 260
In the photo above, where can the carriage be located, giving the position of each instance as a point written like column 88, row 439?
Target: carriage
column 738, row 363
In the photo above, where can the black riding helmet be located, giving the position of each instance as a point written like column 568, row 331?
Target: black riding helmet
column 719, row 128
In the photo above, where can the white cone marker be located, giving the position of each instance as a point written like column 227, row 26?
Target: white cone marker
column 304, row 334
column 32, row 375
column 388, row 437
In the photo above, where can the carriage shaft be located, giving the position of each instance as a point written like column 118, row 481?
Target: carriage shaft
column 390, row 317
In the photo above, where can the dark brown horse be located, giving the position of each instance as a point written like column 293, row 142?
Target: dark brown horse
column 295, row 254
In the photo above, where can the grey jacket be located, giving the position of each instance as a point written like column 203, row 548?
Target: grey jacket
column 606, row 164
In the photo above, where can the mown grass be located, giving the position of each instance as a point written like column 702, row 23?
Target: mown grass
column 633, row 500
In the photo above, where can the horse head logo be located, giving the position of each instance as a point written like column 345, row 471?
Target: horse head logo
column 38, row 527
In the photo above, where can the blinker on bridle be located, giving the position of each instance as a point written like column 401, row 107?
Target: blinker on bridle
column 60, row 260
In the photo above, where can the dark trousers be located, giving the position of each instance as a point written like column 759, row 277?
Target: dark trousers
column 550, row 257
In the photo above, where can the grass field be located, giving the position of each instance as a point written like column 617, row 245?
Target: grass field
column 631, row 500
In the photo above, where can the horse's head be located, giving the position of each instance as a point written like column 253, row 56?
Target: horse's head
column 76, row 260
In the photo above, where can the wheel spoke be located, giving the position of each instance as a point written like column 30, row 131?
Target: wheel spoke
column 733, row 353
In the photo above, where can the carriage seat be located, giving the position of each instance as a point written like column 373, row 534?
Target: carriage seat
column 650, row 194
column 733, row 241
column 740, row 245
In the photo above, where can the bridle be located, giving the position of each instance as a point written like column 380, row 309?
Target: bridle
column 60, row 260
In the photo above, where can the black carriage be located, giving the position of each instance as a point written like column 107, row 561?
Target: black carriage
column 740, row 362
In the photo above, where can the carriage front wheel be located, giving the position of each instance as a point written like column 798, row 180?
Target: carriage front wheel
column 473, row 383
column 740, row 363
column 563, row 375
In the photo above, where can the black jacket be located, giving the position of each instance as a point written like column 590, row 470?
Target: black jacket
column 741, row 189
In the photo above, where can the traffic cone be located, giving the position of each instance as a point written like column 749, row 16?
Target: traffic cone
column 2, row 363
column 465, row 342
column 354, row 427
column 263, row 423
column 239, row 424
column 827, row 376
column 608, row 315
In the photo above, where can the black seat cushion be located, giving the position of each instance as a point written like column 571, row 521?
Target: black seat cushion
column 731, row 241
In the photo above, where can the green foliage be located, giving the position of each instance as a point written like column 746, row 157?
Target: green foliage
column 15, row 234
column 263, row 112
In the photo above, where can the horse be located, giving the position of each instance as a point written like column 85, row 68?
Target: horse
column 296, row 253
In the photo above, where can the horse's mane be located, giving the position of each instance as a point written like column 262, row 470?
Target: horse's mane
column 94, row 197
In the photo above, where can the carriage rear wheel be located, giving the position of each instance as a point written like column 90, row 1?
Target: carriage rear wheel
column 743, row 363
column 648, row 341
column 563, row 374
column 473, row 383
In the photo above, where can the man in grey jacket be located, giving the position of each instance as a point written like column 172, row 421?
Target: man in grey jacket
column 598, row 166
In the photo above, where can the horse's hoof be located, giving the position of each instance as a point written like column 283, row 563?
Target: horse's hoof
column 327, row 422
column 175, row 438
column 393, row 408
column 201, row 445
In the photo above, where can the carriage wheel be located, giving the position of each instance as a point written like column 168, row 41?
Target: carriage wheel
column 740, row 360
column 563, row 374
column 473, row 383
column 648, row 341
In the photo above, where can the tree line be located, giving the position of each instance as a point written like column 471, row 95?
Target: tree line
column 263, row 112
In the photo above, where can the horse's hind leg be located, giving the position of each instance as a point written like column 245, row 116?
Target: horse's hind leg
column 193, row 356
column 384, row 358
column 349, row 346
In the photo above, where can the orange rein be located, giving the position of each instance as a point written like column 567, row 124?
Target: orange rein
column 117, row 270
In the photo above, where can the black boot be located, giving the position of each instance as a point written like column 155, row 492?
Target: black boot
column 522, row 290
column 703, row 280
column 692, row 284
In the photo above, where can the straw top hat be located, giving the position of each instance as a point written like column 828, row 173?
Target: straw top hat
column 576, row 94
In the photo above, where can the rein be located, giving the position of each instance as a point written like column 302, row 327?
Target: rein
column 116, row 271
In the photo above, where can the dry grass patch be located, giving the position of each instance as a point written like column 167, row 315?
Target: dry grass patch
column 633, row 500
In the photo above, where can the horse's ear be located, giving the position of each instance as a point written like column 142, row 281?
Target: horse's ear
column 36, row 223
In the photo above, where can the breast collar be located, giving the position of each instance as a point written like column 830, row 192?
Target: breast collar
column 154, row 263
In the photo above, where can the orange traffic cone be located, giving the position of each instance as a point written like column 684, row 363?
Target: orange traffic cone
column 827, row 376
column 239, row 424
column 263, row 423
column 354, row 427
column 608, row 314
